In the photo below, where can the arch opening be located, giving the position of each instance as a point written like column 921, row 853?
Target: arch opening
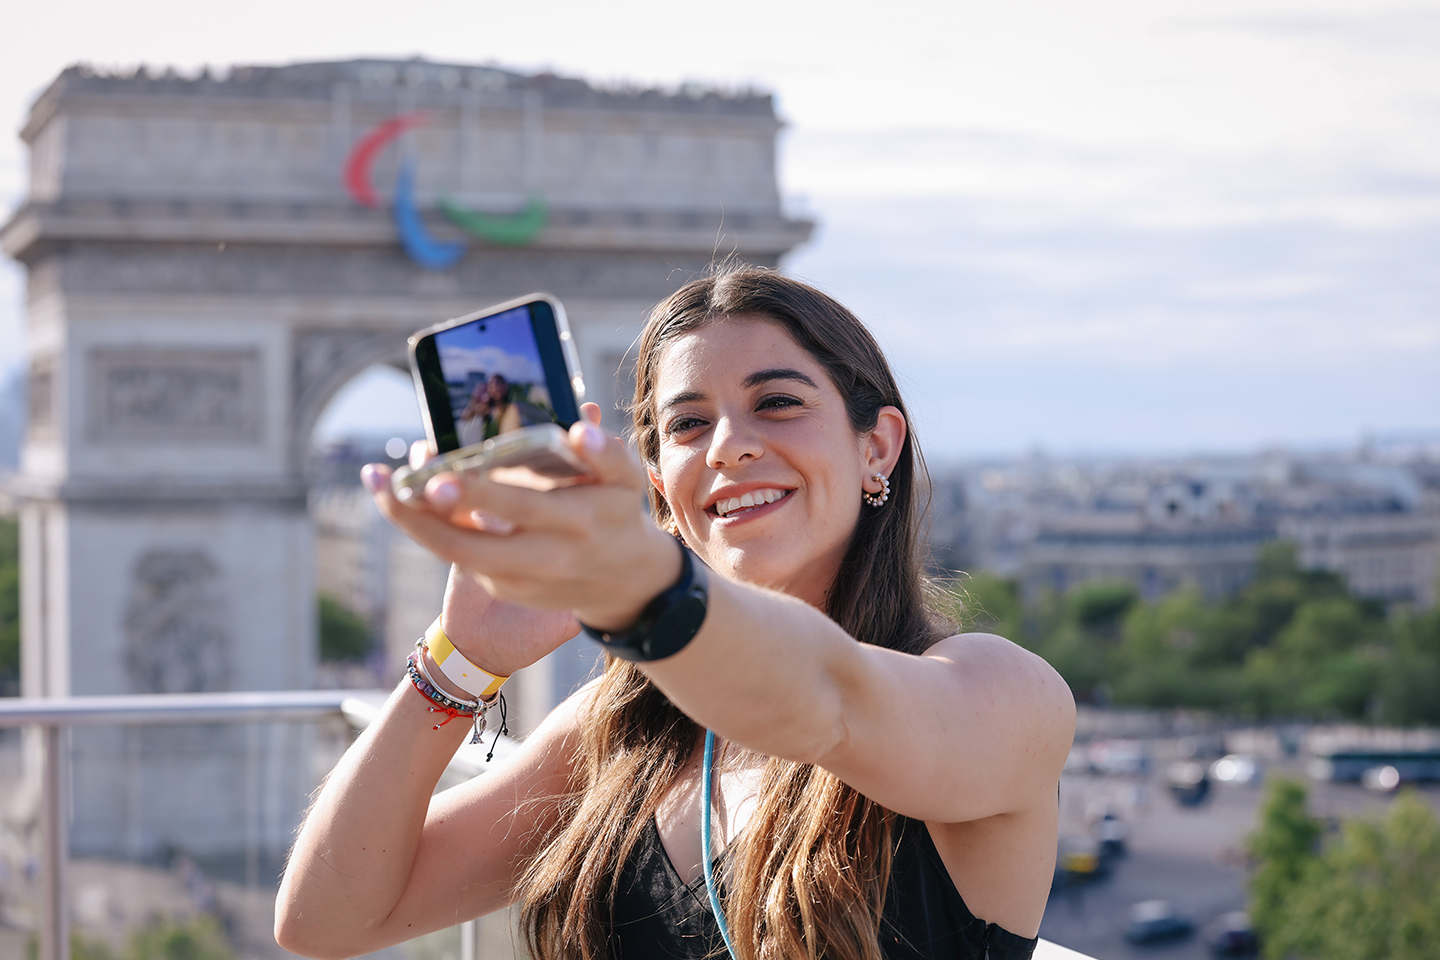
column 375, row 590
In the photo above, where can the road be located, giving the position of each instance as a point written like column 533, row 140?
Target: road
column 1193, row 857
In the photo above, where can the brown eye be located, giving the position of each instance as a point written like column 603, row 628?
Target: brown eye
column 683, row 425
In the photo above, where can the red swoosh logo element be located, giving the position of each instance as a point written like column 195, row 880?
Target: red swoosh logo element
column 357, row 165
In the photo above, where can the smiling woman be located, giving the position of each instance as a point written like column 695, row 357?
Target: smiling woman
column 883, row 788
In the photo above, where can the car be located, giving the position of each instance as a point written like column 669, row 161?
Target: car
column 1382, row 779
column 1188, row 782
column 1119, row 758
column 1111, row 833
column 1082, row 859
column 1230, row 935
column 1152, row 921
column 1237, row 768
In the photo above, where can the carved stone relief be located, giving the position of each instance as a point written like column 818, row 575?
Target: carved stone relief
column 40, row 394
column 177, row 624
column 349, row 272
column 322, row 354
column 174, row 394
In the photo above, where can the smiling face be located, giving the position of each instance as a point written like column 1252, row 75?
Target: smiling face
column 757, row 459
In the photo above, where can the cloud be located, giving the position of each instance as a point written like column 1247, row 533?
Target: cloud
column 1113, row 335
column 1021, row 179
column 459, row 362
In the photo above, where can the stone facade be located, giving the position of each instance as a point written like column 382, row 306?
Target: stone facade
column 200, row 286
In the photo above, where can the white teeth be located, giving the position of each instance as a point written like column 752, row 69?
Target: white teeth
column 755, row 498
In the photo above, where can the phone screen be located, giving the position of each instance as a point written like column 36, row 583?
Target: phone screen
column 495, row 374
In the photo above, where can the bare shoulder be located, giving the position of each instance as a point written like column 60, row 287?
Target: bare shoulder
column 995, row 659
column 1017, row 690
column 973, row 728
column 1000, row 851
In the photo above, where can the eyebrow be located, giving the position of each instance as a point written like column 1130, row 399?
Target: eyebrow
column 779, row 373
column 756, row 379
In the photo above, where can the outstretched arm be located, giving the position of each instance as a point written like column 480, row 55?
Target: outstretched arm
column 976, row 727
column 378, row 861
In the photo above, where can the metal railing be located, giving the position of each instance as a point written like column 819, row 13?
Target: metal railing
column 55, row 717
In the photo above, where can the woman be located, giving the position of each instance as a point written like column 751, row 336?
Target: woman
column 476, row 415
column 888, row 798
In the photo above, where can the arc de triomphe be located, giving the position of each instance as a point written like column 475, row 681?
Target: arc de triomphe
column 203, row 276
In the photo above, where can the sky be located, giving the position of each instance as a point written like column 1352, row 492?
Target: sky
column 506, row 346
column 1110, row 227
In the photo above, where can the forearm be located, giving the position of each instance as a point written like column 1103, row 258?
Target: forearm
column 766, row 671
column 775, row 675
column 353, row 857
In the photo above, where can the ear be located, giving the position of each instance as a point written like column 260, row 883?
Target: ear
column 655, row 481
column 882, row 445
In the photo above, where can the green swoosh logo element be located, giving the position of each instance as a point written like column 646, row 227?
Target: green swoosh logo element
column 512, row 231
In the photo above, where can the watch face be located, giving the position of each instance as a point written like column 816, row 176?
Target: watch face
column 677, row 626
column 670, row 621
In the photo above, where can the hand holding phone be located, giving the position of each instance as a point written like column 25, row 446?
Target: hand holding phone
column 541, row 449
column 496, row 389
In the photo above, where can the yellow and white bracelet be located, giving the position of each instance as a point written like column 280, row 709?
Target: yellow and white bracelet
column 480, row 684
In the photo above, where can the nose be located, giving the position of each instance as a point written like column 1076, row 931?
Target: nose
column 732, row 442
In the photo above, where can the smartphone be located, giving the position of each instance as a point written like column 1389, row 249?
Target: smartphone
column 498, row 388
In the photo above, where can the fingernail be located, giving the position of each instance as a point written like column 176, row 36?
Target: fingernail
column 370, row 477
column 593, row 438
column 491, row 523
column 442, row 493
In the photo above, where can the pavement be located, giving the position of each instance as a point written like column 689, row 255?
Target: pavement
column 1191, row 856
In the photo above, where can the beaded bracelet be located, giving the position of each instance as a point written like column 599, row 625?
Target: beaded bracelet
column 453, row 707
column 446, row 704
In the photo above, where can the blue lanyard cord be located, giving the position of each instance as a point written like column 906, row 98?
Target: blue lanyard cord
column 707, row 789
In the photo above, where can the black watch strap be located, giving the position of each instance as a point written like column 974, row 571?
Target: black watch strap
column 668, row 622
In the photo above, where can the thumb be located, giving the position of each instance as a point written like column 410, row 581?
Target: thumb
column 607, row 457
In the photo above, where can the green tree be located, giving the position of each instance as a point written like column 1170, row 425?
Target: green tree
column 9, row 603
column 1324, row 657
column 1099, row 607
column 1281, row 849
column 1153, row 663
column 1408, row 691
column 344, row 633
column 1293, row 643
column 991, row 604
column 198, row 938
column 1324, row 627
column 81, row 948
column 1374, row 894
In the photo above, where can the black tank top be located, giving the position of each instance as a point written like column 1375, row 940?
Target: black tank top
column 658, row 917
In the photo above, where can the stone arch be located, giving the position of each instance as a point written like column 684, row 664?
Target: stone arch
column 326, row 360
column 202, row 284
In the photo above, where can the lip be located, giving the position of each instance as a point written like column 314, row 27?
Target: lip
column 739, row 490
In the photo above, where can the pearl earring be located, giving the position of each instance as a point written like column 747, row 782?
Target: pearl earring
column 878, row 499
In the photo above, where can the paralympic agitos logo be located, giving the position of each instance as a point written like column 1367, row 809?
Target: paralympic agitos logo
column 425, row 249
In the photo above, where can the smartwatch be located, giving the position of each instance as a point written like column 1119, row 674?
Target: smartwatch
column 668, row 622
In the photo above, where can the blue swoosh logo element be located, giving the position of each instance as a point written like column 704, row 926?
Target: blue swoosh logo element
column 424, row 249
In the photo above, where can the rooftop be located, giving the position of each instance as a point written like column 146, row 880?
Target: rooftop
column 428, row 82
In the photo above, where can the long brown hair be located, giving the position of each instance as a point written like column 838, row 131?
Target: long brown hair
column 810, row 870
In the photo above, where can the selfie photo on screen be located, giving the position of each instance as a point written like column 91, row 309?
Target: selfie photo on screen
column 494, row 376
